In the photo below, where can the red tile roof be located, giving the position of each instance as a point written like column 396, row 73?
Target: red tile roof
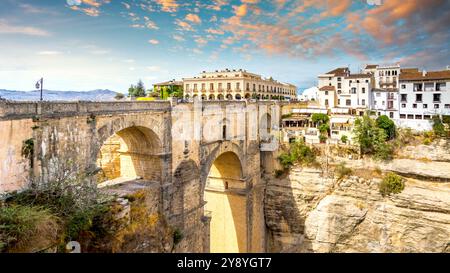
column 358, row 76
column 327, row 88
column 371, row 66
column 342, row 71
column 432, row 75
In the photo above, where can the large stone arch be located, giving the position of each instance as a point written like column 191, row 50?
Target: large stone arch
column 128, row 149
column 226, row 199
column 213, row 153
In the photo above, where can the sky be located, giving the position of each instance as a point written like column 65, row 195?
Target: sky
column 109, row 44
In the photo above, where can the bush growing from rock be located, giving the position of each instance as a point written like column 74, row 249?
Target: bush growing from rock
column 391, row 184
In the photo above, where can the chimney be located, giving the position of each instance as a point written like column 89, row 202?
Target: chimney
column 448, row 67
column 424, row 73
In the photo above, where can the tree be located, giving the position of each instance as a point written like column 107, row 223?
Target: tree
column 320, row 118
column 371, row 139
column 387, row 125
column 438, row 126
column 119, row 96
column 138, row 90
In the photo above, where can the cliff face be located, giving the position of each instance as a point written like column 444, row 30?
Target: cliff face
column 309, row 211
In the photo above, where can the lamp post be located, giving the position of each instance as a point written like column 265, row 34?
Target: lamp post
column 39, row 85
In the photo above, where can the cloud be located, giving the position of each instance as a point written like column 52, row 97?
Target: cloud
column 194, row 18
column 168, row 5
column 215, row 31
column 6, row 28
column 153, row 42
column 183, row 25
column 126, row 5
column 178, row 38
column 50, row 53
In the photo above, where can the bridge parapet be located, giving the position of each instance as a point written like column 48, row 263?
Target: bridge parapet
column 18, row 110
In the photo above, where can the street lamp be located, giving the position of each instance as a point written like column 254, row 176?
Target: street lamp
column 39, row 85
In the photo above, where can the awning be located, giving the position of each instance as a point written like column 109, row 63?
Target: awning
column 309, row 111
column 339, row 120
column 340, row 110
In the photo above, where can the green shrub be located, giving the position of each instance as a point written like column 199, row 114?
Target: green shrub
column 323, row 138
column 26, row 228
column 446, row 119
column 391, row 183
column 320, row 118
column 438, row 127
column 427, row 141
column 342, row 171
column 323, row 128
column 279, row 173
column 177, row 236
column 344, row 139
column 298, row 152
column 388, row 125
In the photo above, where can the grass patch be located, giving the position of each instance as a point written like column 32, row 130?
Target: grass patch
column 27, row 228
column 342, row 171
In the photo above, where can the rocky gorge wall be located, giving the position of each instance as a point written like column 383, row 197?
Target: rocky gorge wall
column 310, row 210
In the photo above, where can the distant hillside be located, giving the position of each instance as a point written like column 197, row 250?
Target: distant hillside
column 51, row 95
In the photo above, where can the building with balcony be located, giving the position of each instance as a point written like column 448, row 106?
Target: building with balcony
column 237, row 85
column 341, row 89
column 423, row 94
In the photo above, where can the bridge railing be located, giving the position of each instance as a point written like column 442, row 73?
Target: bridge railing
column 15, row 109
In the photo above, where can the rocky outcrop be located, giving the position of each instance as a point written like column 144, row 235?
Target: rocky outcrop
column 308, row 211
column 438, row 150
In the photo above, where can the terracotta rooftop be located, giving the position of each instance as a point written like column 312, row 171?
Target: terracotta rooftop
column 409, row 70
column 431, row 75
column 371, row 66
column 342, row 71
column 358, row 76
column 327, row 88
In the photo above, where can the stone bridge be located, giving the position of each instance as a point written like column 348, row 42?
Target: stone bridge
column 201, row 161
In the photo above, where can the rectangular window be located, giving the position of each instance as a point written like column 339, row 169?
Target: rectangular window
column 348, row 102
column 403, row 105
column 414, row 106
column 440, row 86
column 203, row 86
column 211, row 86
column 363, row 102
column 326, row 102
column 195, row 87
column 228, row 86
column 378, row 94
column 326, row 93
column 238, row 86
column 426, row 117
column 353, row 90
column 418, row 116
column 339, row 85
column 402, row 116
column 254, row 87
column 339, row 101
column 403, row 86
column 447, row 106
column 248, row 86
column 391, row 114
column 410, row 116
column 418, row 97
column 436, row 106
column 425, row 106
column 404, row 97
column 363, row 90
column 339, row 79
column 187, row 87
column 418, row 87
column 220, row 86
column 436, row 97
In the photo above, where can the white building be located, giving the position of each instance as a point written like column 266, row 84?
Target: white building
column 422, row 95
column 309, row 94
column 341, row 89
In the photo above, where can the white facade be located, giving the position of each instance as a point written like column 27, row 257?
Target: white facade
column 423, row 95
column 340, row 89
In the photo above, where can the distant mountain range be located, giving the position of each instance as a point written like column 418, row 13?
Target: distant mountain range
column 51, row 95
